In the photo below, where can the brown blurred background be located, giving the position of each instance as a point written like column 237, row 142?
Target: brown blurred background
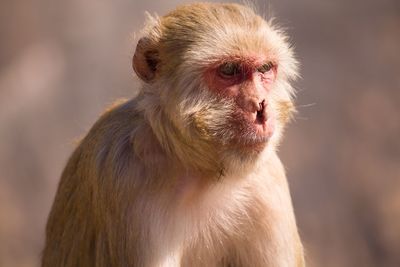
column 62, row 62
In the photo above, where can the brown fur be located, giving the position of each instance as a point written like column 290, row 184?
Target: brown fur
column 161, row 180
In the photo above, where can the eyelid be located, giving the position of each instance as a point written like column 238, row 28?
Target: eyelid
column 266, row 67
column 234, row 67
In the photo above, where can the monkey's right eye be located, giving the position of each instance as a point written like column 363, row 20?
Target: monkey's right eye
column 229, row 69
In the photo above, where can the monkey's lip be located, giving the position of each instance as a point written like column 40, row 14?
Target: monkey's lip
column 253, row 132
column 264, row 131
column 258, row 134
column 264, row 124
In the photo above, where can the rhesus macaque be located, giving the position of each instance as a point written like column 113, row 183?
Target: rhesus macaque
column 186, row 173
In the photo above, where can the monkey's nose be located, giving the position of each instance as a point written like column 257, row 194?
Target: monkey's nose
column 252, row 104
column 261, row 105
column 261, row 113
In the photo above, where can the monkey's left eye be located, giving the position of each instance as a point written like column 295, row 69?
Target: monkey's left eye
column 229, row 69
column 265, row 67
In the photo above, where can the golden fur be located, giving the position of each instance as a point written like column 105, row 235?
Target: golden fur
column 157, row 181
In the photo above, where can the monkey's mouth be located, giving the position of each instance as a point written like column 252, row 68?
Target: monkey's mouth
column 253, row 130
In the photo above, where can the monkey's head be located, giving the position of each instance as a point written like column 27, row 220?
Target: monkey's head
column 221, row 76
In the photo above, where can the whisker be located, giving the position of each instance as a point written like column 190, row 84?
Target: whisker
column 306, row 105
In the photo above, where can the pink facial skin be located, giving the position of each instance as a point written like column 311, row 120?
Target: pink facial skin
column 248, row 82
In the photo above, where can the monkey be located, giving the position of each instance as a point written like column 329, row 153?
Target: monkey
column 186, row 173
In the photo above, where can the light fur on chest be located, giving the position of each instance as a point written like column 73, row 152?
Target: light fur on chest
column 215, row 222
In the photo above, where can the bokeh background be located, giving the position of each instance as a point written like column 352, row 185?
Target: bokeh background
column 63, row 62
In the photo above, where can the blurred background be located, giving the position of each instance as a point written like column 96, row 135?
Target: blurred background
column 63, row 62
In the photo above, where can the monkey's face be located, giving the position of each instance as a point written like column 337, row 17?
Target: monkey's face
column 246, row 84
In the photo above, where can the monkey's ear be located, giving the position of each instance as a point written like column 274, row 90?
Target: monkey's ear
column 146, row 59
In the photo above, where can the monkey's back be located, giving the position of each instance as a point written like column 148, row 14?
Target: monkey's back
column 82, row 222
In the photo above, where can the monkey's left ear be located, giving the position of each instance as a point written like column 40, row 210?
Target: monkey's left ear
column 146, row 59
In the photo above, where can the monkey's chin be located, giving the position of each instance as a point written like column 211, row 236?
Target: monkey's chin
column 253, row 143
column 256, row 138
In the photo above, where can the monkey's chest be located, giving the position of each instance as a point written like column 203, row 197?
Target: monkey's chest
column 227, row 224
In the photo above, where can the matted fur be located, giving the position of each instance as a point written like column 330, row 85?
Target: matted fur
column 159, row 181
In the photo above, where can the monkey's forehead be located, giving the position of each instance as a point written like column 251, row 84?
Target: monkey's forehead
column 210, row 31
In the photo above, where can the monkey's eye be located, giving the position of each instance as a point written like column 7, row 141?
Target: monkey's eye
column 265, row 67
column 229, row 69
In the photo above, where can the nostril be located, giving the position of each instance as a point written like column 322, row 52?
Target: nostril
column 261, row 106
column 253, row 105
column 261, row 117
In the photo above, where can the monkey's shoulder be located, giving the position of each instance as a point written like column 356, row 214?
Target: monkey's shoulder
column 110, row 137
column 119, row 119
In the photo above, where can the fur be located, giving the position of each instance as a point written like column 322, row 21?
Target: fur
column 159, row 181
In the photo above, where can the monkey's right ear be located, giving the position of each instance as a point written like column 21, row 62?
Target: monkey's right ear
column 146, row 59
